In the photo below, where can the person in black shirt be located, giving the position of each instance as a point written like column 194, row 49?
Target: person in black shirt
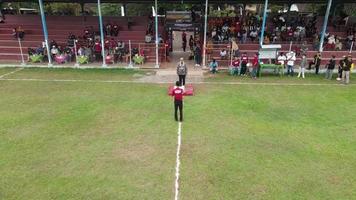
column 330, row 68
column 341, row 65
column 316, row 62
column 346, row 70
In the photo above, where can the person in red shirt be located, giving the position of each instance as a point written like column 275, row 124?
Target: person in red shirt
column 235, row 66
column 244, row 61
column 255, row 65
column 178, row 101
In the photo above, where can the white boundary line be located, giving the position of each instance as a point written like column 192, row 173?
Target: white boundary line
column 176, row 185
column 2, row 76
column 168, row 82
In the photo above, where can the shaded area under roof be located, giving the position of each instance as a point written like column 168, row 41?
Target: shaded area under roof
column 189, row 1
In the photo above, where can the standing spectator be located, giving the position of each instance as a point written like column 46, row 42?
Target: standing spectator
column 97, row 50
column 182, row 71
column 213, row 66
column 291, row 57
column 20, row 33
column 316, row 62
column 282, row 59
column 148, row 37
column 115, row 30
column 304, row 48
column 191, row 43
column 346, row 70
column 108, row 28
column 341, row 66
column 330, row 68
column 197, row 55
column 184, row 41
column 244, row 61
column 303, row 64
column 235, row 48
column 255, row 65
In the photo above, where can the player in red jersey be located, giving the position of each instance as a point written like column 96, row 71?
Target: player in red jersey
column 178, row 101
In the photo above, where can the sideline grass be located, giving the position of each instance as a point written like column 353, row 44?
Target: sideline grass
column 86, row 141
column 82, row 74
column 271, row 78
column 269, row 142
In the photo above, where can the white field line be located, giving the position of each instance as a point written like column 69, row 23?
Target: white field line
column 168, row 82
column 176, row 186
column 4, row 75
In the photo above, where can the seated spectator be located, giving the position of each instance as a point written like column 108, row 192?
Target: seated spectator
column 253, row 35
column 223, row 54
column 213, row 66
column 331, row 42
column 39, row 50
column 266, row 40
column 235, row 66
column 121, row 45
column 14, row 33
column 54, row 51
column 148, row 38
column 81, row 51
column 338, row 44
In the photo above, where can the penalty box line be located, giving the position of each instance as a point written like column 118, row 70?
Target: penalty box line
column 12, row 72
column 177, row 174
column 165, row 82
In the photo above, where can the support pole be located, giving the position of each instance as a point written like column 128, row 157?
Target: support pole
column 324, row 26
column 290, row 46
column 101, row 34
column 352, row 45
column 130, row 56
column 205, row 32
column 264, row 23
column 156, row 28
column 22, row 58
column 45, row 32
column 76, row 54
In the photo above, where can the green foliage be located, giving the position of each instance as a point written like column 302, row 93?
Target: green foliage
column 316, row 8
column 111, row 9
column 62, row 8
column 350, row 9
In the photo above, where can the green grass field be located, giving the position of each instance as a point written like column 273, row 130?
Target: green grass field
column 102, row 140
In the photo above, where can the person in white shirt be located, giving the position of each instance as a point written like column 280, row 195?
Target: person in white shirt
column 291, row 57
column 282, row 59
column 253, row 35
column 223, row 54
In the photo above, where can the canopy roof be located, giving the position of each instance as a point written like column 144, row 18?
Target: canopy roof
column 189, row 1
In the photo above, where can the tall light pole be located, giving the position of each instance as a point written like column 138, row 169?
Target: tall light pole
column 45, row 32
column 101, row 34
column 156, row 28
column 264, row 23
column 205, row 32
column 327, row 13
